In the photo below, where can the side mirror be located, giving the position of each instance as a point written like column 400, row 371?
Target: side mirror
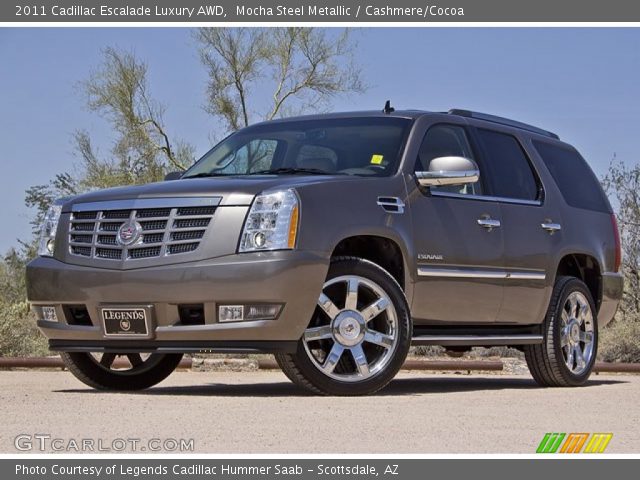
column 449, row 171
column 173, row 176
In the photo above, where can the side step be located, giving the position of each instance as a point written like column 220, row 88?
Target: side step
column 476, row 340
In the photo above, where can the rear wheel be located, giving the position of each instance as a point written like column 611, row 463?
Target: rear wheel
column 359, row 335
column 120, row 371
column 568, row 352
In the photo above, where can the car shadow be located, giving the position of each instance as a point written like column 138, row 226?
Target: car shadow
column 398, row 387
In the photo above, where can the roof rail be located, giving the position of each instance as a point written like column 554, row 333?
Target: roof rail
column 502, row 121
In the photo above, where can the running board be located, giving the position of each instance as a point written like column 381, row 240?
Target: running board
column 476, row 340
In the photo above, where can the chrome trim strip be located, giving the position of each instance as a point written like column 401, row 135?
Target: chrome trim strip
column 526, row 275
column 486, row 198
column 460, row 273
column 439, row 178
column 526, row 339
column 138, row 203
column 455, row 272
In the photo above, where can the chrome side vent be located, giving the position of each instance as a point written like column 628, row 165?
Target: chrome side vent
column 391, row 204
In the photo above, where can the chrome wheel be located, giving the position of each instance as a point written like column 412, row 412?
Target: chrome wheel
column 354, row 333
column 577, row 333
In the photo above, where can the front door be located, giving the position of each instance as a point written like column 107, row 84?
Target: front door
column 458, row 241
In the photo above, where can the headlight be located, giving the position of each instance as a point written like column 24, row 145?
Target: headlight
column 272, row 222
column 48, row 229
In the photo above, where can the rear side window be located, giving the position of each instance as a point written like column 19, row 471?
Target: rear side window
column 578, row 184
column 509, row 168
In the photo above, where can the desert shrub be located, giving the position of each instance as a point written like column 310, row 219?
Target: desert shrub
column 19, row 336
column 620, row 341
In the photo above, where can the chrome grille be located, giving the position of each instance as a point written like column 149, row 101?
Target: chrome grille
column 164, row 232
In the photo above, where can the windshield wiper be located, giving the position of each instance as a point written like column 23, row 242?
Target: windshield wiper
column 293, row 171
column 207, row 174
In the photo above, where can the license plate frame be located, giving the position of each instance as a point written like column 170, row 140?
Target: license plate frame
column 126, row 321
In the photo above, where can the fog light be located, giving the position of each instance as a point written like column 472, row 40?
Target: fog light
column 49, row 314
column 238, row 313
column 263, row 312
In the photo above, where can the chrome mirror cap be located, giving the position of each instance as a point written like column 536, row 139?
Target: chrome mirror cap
column 449, row 171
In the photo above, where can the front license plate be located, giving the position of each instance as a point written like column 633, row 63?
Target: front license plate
column 125, row 321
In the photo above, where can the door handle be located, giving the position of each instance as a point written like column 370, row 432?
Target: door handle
column 489, row 223
column 551, row 227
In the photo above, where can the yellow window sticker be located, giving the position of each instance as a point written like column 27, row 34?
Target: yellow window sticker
column 377, row 159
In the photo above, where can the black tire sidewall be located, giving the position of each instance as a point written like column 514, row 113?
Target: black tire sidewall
column 89, row 372
column 363, row 268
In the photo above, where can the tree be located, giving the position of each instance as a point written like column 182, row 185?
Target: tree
column 620, row 341
column 622, row 184
column 142, row 151
column 18, row 332
column 303, row 68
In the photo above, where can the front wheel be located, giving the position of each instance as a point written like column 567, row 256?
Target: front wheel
column 359, row 335
column 115, row 371
column 568, row 352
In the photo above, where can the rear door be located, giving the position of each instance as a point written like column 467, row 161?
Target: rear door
column 530, row 225
column 459, row 261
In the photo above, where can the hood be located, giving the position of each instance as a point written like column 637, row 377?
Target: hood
column 233, row 190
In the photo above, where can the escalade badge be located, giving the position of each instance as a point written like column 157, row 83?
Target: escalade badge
column 129, row 233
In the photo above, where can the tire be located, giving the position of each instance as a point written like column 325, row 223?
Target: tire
column 355, row 343
column 101, row 374
column 568, row 326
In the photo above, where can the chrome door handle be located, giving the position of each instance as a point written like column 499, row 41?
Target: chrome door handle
column 551, row 227
column 489, row 223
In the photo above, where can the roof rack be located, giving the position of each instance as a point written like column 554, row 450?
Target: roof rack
column 502, row 121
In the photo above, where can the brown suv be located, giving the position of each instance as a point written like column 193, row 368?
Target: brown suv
column 335, row 242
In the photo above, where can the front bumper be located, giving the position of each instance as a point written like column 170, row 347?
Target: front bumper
column 612, row 288
column 291, row 278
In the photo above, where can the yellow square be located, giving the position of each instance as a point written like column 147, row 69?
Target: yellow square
column 377, row 159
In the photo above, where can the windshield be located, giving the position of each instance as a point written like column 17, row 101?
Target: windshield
column 351, row 146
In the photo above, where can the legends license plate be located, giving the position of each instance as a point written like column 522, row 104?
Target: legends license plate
column 125, row 321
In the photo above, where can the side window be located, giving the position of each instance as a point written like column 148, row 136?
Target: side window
column 578, row 184
column 509, row 168
column 446, row 141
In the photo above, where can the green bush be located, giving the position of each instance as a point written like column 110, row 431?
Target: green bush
column 19, row 336
column 620, row 341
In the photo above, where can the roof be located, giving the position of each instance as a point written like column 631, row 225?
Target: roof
column 413, row 114
column 410, row 114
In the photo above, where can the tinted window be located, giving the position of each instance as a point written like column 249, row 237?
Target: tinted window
column 314, row 156
column 446, row 141
column 510, row 171
column 251, row 157
column 578, row 184
column 367, row 146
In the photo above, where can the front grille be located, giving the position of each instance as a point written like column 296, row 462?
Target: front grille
column 162, row 232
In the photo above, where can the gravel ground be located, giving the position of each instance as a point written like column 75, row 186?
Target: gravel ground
column 254, row 412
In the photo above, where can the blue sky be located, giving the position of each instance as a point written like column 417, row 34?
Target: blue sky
column 583, row 84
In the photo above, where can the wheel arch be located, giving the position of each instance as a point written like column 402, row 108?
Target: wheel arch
column 382, row 250
column 586, row 268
